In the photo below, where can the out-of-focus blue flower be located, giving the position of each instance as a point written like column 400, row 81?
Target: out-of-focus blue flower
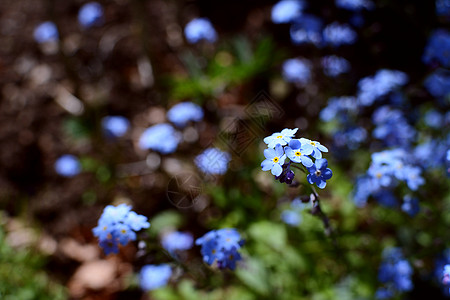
column 46, row 32
column 386, row 198
column 316, row 147
column 336, row 34
column 395, row 271
column 339, row 107
column 383, row 293
column 362, row 191
column 274, row 160
column 443, row 8
column 213, row 161
column 297, row 70
column 180, row 114
column 152, row 277
column 162, row 138
column 306, row 29
column 282, row 138
column 446, row 275
column 434, row 119
column 177, row 240
column 334, row 65
column 90, row 14
column 115, row 126
column 350, row 137
column 433, row 151
column 381, row 84
column 355, row 5
column 413, row 177
column 392, row 127
column 410, row 205
column 117, row 225
column 200, row 29
column 319, row 173
column 291, row 217
column 67, row 165
column 287, row 11
column 438, row 83
column 298, row 152
column 221, row 246
column 438, row 48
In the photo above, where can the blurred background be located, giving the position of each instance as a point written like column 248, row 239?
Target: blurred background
column 82, row 82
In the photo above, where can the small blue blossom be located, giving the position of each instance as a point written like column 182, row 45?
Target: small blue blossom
column 181, row 113
column 438, row 49
column 319, row 173
column 443, row 8
column 291, row 217
column 386, row 198
column 362, row 191
column 410, row 205
column 117, row 225
column 316, row 147
column 395, row 272
column 334, row 65
column 446, row 275
column 355, row 5
column 381, row 84
column 392, row 127
column 176, row 240
column 383, row 293
column 213, row 161
column 438, row 83
column 115, row 126
column 90, row 14
column 287, row 11
column 152, row 277
column 339, row 107
column 336, row 34
column 162, row 138
column 434, row 119
column 306, row 29
column 350, row 138
column 297, row 70
column 221, row 246
column 282, row 138
column 200, row 29
column 46, row 32
column 67, row 166
column 274, row 160
column 298, row 152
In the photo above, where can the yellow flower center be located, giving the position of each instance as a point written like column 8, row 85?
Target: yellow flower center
column 213, row 251
column 379, row 175
column 123, row 231
column 313, row 143
column 276, row 159
column 298, row 153
column 105, row 228
column 279, row 137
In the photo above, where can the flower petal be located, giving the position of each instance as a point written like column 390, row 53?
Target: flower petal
column 267, row 165
column 295, row 144
column 306, row 149
column 279, row 150
column 276, row 170
column 269, row 153
column 306, row 161
column 321, row 164
column 317, row 154
column 322, row 148
column 327, row 174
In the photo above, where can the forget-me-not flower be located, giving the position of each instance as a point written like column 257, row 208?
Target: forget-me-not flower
column 297, row 70
column 180, row 114
column 46, row 32
column 282, row 138
column 115, row 126
column 274, row 160
column 162, row 138
column 298, row 152
column 200, row 29
column 152, row 277
column 67, row 165
column 319, row 173
column 306, row 29
column 177, row 240
column 213, row 161
column 286, row 11
column 336, row 34
column 90, row 14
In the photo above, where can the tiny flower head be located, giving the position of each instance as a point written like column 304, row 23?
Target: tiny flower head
column 282, row 138
column 274, row 160
column 316, row 146
column 200, row 29
column 298, row 152
column 67, row 165
column 152, row 277
column 319, row 173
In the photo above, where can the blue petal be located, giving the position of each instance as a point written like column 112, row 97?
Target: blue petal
column 295, row 144
column 321, row 164
column 279, row 150
column 276, row 170
column 317, row 154
column 304, row 141
column 322, row 148
column 282, row 159
column 307, row 162
column 327, row 174
column 267, row 165
column 312, row 169
column 310, row 179
column 321, row 184
column 306, row 149
column 269, row 153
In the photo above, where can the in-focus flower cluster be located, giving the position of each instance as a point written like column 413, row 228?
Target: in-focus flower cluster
column 221, row 246
column 394, row 273
column 118, row 225
column 282, row 145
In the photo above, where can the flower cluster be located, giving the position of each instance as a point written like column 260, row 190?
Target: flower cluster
column 394, row 273
column 282, row 145
column 336, row 34
column 152, row 277
column 213, row 161
column 118, row 225
column 334, row 65
column 221, row 246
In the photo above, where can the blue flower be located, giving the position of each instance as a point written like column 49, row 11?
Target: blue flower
column 213, row 161
column 395, row 271
column 336, row 34
column 282, row 138
column 381, row 84
column 291, row 217
column 306, row 29
column 67, row 165
column 383, row 293
column 152, row 277
column 181, row 113
column 355, row 5
column 413, row 177
column 115, row 126
column 286, row 11
column 221, row 246
column 443, row 8
column 117, row 225
column 274, row 160
column 316, row 147
column 177, row 240
column 339, row 107
column 298, row 152
column 334, row 65
column 438, row 83
column 438, row 48
column 410, row 205
column 162, row 138
column 297, row 70
column 319, row 173
column 392, row 127
column 46, row 32
column 200, row 29
column 90, row 14
column 446, row 275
